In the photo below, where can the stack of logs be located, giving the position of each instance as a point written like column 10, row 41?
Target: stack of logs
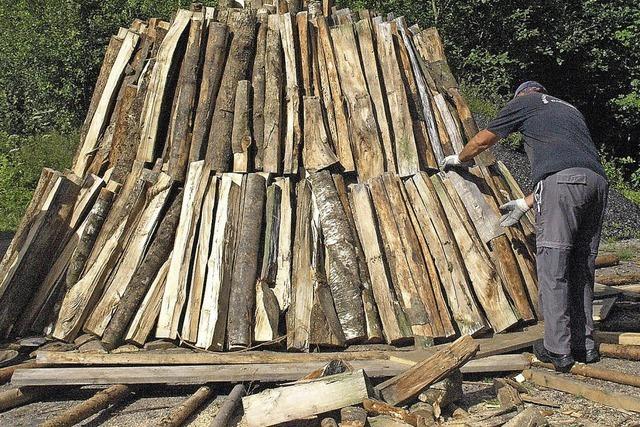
column 267, row 175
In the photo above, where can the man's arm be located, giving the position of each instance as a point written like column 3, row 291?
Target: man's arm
column 483, row 140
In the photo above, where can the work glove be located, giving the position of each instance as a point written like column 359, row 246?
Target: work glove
column 451, row 162
column 513, row 211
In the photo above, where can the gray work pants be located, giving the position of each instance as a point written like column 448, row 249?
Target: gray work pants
column 569, row 207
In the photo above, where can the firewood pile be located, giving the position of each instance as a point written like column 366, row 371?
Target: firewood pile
column 269, row 177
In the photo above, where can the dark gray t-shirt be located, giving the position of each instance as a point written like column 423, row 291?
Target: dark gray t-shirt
column 556, row 136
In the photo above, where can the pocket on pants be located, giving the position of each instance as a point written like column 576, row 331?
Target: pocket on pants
column 572, row 188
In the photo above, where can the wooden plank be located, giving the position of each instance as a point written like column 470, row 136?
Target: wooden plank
column 149, row 310
column 176, row 286
column 484, row 278
column 100, row 118
column 431, row 370
column 132, row 256
column 396, row 328
column 181, row 121
column 199, row 270
column 447, row 260
column 212, row 67
column 245, row 267
column 342, row 141
column 293, row 134
column 241, row 49
column 363, row 132
column 343, row 270
column 404, row 139
column 213, row 316
column 273, row 120
column 578, row 388
column 283, row 404
column 156, row 99
column 374, row 84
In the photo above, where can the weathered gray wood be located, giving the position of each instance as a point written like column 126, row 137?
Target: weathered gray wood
column 273, row 121
column 293, row 134
column 317, row 153
column 258, row 81
column 241, row 138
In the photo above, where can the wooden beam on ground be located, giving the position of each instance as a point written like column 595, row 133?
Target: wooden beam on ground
column 231, row 403
column 578, row 388
column 618, row 351
column 302, row 400
column 89, row 407
column 431, row 370
column 184, row 410
column 17, row 397
column 595, row 372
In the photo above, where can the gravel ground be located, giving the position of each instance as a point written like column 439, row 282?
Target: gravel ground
column 622, row 218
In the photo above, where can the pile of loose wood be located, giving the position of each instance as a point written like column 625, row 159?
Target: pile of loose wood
column 267, row 175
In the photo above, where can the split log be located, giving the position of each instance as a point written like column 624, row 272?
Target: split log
column 223, row 417
column 342, row 141
column 181, row 122
column 445, row 253
column 215, row 302
column 328, row 422
column 595, row 394
column 282, row 288
column 148, row 311
column 363, row 132
column 399, row 265
column 273, row 91
column 396, row 328
column 258, row 81
column 376, row 407
column 199, row 270
column 126, row 127
column 241, row 140
column 326, row 330
column 176, row 286
column 317, row 153
column 407, row 159
column 443, row 393
column 293, row 134
column 89, row 407
column 353, row 416
column 219, row 153
column 46, row 238
column 530, row 417
column 343, row 275
column 322, row 84
column 132, row 256
column 374, row 83
column 100, row 118
column 182, row 412
column 484, row 278
column 322, row 395
column 433, row 369
column 304, row 38
column 212, row 69
column 509, row 397
column 156, row 103
column 245, row 268
column 299, row 313
column 143, row 277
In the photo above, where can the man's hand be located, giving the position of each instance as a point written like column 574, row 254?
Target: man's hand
column 513, row 211
column 450, row 162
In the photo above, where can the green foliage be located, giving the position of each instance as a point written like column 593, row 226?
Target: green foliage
column 21, row 162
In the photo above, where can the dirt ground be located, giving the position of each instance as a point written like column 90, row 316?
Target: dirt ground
column 147, row 405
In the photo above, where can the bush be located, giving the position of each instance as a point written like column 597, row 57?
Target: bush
column 21, row 162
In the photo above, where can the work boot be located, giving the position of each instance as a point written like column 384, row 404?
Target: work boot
column 561, row 362
column 586, row 356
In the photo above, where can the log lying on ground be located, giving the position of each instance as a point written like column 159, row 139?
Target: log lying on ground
column 305, row 399
column 595, row 394
column 89, row 407
column 596, row 372
column 375, row 407
column 183, row 411
column 607, row 260
column 223, row 417
column 17, row 397
column 614, row 279
column 409, row 384
column 619, row 351
column 623, row 338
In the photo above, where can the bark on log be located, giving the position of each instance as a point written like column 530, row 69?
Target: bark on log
column 223, row 417
column 180, row 126
column 293, row 134
column 620, row 351
column 182, row 412
column 245, row 269
column 607, row 260
column 219, row 154
column 241, row 139
column 95, row 220
column 273, row 115
column 613, row 279
column 18, row 397
column 141, row 280
column 258, row 83
column 344, row 272
column 89, row 407
column 212, row 70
